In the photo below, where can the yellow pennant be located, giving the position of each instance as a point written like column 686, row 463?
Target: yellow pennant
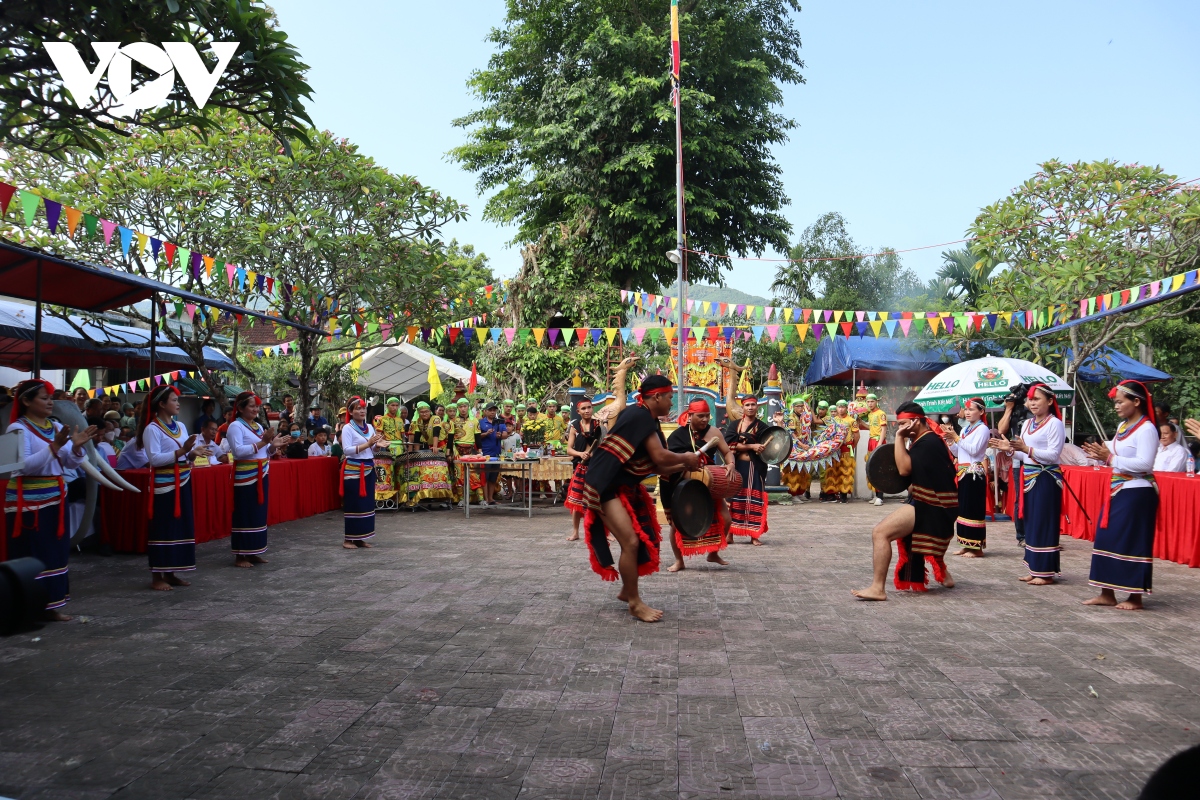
column 538, row 334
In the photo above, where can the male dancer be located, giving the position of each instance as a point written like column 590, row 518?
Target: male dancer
column 692, row 434
column 925, row 524
column 619, row 504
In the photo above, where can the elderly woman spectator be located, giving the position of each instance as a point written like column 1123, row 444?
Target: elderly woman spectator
column 1172, row 453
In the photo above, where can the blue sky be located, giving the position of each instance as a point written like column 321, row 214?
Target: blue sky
column 913, row 117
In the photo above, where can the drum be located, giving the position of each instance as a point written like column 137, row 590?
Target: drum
column 692, row 509
column 721, row 484
column 384, row 476
column 882, row 471
column 778, row 444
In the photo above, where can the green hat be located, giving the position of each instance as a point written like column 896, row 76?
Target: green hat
column 552, row 402
column 842, row 403
column 872, row 397
column 462, row 401
column 422, row 404
column 508, row 402
column 531, row 402
column 797, row 398
column 564, row 407
column 391, row 400
column 822, row 404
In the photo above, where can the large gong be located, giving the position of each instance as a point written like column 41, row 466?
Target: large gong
column 882, row 471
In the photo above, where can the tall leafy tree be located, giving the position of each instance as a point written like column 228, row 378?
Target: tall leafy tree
column 576, row 132
column 264, row 81
column 964, row 276
column 828, row 270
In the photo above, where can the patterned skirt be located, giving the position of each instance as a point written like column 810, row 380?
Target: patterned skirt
column 1042, row 514
column 39, row 537
column 575, row 501
column 250, row 519
column 839, row 476
column 796, row 480
column 171, row 540
column 358, row 503
column 1123, row 553
column 749, row 506
column 644, row 516
column 972, row 507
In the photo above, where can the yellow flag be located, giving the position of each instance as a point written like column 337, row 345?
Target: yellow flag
column 356, row 363
column 435, row 383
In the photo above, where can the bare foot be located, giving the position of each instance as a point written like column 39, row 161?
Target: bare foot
column 574, row 537
column 949, row 582
column 174, row 580
column 1101, row 600
column 644, row 612
column 243, row 562
column 363, row 544
column 622, row 596
column 54, row 615
column 1134, row 603
column 349, row 545
column 715, row 558
column 677, row 566
column 756, row 543
column 158, row 583
column 961, row 552
column 970, row 553
column 1025, row 578
column 257, row 559
column 870, row 593
column 1041, row 581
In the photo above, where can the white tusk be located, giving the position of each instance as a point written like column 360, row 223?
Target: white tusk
column 95, row 475
column 116, row 478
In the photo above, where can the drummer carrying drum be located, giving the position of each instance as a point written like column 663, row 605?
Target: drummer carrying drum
column 692, row 434
column 619, row 504
column 924, row 525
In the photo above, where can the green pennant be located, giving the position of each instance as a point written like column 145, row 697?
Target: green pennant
column 654, row 333
column 91, row 223
column 917, row 324
column 29, row 205
column 523, row 334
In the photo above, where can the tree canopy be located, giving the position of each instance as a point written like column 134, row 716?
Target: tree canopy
column 576, row 132
column 264, row 81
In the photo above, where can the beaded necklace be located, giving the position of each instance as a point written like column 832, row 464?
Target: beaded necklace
column 362, row 429
column 46, row 432
column 172, row 429
column 1123, row 433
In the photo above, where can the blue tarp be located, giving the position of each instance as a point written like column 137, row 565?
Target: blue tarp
column 65, row 347
column 897, row 362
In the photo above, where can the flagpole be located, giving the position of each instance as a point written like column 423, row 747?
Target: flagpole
column 679, row 245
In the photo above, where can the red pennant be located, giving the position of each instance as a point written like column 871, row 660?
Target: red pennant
column 474, row 382
column 169, row 250
column 845, row 326
column 6, row 196
column 454, row 332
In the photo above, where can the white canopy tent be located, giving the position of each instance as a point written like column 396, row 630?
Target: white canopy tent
column 403, row 370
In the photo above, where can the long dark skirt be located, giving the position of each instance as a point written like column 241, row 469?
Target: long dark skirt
column 1123, row 553
column 972, row 508
column 1043, row 509
column 171, row 540
column 644, row 516
column 748, row 508
column 250, row 519
column 39, row 538
column 359, row 510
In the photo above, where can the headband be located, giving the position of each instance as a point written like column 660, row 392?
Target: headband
column 22, row 392
column 422, row 404
column 1053, row 400
column 1126, row 388
column 391, row 400
column 694, row 407
column 350, row 404
column 244, row 398
column 842, row 403
column 823, row 404
column 977, row 402
column 657, row 391
column 152, row 399
column 909, row 415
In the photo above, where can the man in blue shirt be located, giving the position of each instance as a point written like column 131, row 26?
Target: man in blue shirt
column 315, row 421
column 491, row 433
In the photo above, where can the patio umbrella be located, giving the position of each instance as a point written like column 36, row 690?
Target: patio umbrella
column 990, row 378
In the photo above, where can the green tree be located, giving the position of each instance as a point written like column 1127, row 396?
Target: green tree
column 828, row 270
column 264, row 81
column 576, row 134
column 1079, row 230
column 964, row 277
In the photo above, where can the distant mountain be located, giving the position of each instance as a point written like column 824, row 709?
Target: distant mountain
column 719, row 294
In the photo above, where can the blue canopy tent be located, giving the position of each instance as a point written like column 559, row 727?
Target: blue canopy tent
column 841, row 361
column 63, row 346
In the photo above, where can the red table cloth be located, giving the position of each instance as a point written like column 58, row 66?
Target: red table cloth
column 299, row 488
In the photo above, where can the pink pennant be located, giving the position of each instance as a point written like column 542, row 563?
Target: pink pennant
column 639, row 334
column 828, row 316
column 191, row 310
column 283, row 348
column 509, row 333
column 109, row 229
column 905, row 324
column 230, row 271
column 773, row 332
column 859, row 315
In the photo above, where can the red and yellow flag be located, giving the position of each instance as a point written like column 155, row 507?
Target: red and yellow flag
column 675, row 40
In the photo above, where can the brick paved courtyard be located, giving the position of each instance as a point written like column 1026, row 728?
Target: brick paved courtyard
column 485, row 660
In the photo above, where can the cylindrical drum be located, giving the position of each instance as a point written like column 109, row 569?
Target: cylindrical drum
column 723, row 483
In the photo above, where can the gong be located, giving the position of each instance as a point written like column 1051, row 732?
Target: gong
column 691, row 508
column 882, row 472
column 778, row 444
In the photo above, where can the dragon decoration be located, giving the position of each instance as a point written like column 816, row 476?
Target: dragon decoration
column 814, row 452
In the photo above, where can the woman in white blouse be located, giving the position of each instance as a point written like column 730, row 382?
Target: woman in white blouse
column 970, row 448
column 1040, row 492
column 1172, row 456
column 1123, row 553
column 171, row 536
column 34, row 501
column 251, row 445
column 358, row 474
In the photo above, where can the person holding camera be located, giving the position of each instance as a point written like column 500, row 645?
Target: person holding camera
column 1038, row 449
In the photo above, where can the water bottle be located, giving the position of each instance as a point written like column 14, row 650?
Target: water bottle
column 1191, row 466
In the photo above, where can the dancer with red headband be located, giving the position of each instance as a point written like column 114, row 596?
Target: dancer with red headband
column 692, row 434
column 251, row 445
column 582, row 438
column 171, row 537
column 1123, row 552
column 358, row 474
column 1038, row 451
column 971, row 449
column 922, row 527
column 619, row 504
column 34, row 507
